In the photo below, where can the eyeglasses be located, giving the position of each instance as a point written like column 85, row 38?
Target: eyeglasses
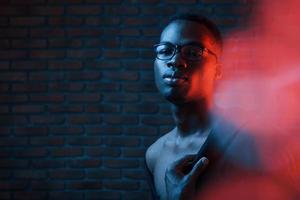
column 192, row 52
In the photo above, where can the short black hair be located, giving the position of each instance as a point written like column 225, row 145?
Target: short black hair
column 210, row 25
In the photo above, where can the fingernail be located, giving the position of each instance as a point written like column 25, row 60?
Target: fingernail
column 205, row 161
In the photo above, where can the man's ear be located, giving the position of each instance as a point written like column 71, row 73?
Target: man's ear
column 218, row 74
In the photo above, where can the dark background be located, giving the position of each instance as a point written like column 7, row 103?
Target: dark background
column 78, row 103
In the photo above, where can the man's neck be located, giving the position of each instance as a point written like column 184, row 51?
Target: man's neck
column 191, row 118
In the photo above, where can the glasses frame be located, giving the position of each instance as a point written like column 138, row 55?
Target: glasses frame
column 178, row 50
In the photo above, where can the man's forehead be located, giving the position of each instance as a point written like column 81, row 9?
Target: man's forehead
column 186, row 31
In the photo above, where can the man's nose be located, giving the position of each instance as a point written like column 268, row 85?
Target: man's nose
column 177, row 62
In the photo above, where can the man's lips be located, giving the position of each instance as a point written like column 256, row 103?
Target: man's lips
column 174, row 79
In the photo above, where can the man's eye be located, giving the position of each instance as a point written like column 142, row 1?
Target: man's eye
column 193, row 53
column 165, row 51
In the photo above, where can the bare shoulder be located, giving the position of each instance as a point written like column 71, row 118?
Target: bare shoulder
column 154, row 150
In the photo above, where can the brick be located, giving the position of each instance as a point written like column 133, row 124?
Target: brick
column 31, row 131
column 119, row 54
column 84, row 119
column 121, row 76
column 29, row 65
column 47, row 98
column 66, row 174
column 84, row 185
column 130, row 32
column 31, row 2
column 140, row 108
column 5, row 174
column 12, row 54
column 104, row 86
column 158, row 10
column 4, row 131
column 65, row 1
column 46, row 119
column 120, row 97
column 29, row 43
column 95, row 21
column 11, row 142
column 27, row 21
column 120, row 10
column 83, row 98
column 133, row 153
column 29, row 174
column 103, row 130
column 46, row 32
column 162, row 120
column 14, row 32
column 133, row 21
column 139, row 43
column 46, row 10
column 69, row 130
column 103, row 151
column 83, row 76
column 46, row 185
column 31, row 152
column 4, row 109
column 14, row 164
column 66, row 152
column 47, row 54
column 4, row 44
column 105, row 195
column 4, row 65
column 84, row 53
column 46, row 141
column 84, row 10
column 30, row 195
column 145, row 1
column 86, row 140
column 181, row 1
column 141, row 87
column 13, row 185
column 65, row 21
column 29, row 87
column 125, row 141
column 134, row 174
column 65, row 64
column 133, row 195
column 84, row 163
column 121, row 185
column 150, row 31
column 46, row 76
column 104, row 42
column 65, row 109
column 141, row 65
column 12, row 98
column 64, row 194
column 27, row 109
column 65, row 87
column 85, row 32
column 47, row 163
column 104, row 174
column 64, row 43
column 120, row 163
column 121, row 119
column 102, row 64
column 105, row 1
column 13, row 76
column 103, row 108
column 12, row 120
column 141, row 131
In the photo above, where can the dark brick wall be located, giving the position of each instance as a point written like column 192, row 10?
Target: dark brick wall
column 78, row 105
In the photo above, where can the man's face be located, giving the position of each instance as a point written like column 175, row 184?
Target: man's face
column 181, row 80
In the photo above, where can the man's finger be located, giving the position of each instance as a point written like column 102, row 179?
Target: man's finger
column 198, row 169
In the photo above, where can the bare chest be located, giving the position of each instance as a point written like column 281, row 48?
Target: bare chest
column 168, row 155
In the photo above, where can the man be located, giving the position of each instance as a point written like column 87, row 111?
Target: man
column 203, row 148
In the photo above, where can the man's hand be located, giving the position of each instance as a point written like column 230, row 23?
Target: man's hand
column 181, row 177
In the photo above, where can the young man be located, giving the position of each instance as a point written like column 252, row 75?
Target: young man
column 202, row 146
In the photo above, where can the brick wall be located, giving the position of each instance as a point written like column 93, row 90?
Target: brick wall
column 78, row 105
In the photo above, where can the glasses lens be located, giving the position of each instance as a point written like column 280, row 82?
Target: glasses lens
column 192, row 52
column 164, row 51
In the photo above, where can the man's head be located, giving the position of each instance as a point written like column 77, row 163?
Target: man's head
column 187, row 62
